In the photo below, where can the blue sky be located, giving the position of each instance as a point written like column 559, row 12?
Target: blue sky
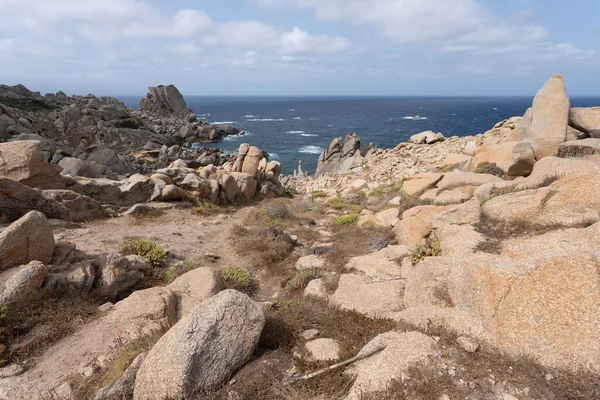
column 300, row 47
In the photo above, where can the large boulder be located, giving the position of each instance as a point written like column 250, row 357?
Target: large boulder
column 115, row 274
column 23, row 161
column 585, row 119
column 579, row 148
column 203, row 349
column 28, row 239
column 341, row 157
column 24, row 283
column 246, row 183
column 427, row 137
column 17, row 199
column 193, row 287
column 164, row 101
column 548, row 129
column 251, row 161
column 133, row 190
column 81, row 208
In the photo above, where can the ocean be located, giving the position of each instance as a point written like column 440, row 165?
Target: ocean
column 299, row 128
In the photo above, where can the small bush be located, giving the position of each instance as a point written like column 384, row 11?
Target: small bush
column 317, row 194
column 302, row 279
column 347, row 219
column 238, row 279
column 206, row 208
column 489, row 168
column 337, row 203
column 277, row 211
column 431, row 248
column 152, row 252
column 377, row 192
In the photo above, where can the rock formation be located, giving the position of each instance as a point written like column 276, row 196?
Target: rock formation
column 341, row 157
column 164, row 100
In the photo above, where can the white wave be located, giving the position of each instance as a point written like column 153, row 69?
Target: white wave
column 224, row 123
column 292, row 109
column 297, row 118
column 249, row 116
column 309, row 135
column 310, row 150
column 495, row 108
column 274, row 156
column 295, row 132
column 415, row 119
column 232, row 138
column 265, row 119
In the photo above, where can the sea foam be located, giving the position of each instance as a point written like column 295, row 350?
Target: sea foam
column 295, row 132
column 265, row 119
column 310, row 150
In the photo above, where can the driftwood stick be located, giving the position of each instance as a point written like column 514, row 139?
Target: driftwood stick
column 336, row 366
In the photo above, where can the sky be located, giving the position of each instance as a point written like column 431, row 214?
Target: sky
column 300, row 47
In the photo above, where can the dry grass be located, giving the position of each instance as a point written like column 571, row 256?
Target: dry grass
column 170, row 274
column 264, row 249
column 53, row 317
column 352, row 241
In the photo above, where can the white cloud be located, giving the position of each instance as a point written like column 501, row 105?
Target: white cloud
column 299, row 41
column 6, row 45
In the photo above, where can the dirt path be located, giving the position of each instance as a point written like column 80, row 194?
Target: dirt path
column 184, row 234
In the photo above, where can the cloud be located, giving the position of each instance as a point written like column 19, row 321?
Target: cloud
column 448, row 25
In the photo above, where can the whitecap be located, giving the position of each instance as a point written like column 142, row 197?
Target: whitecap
column 274, row 156
column 266, row 119
column 249, row 116
column 495, row 108
column 224, row 123
column 297, row 118
column 309, row 135
column 310, row 150
column 295, row 132
column 292, row 109
column 415, row 119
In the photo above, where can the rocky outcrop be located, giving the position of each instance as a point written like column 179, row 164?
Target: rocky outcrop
column 427, row 137
column 548, row 129
column 22, row 283
column 163, row 100
column 23, row 161
column 586, row 120
column 184, row 361
column 28, row 239
column 341, row 157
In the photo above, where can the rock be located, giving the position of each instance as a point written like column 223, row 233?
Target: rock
column 28, row 239
column 400, row 352
column 550, row 169
column 115, row 274
column 110, row 160
column 454, row 196
column 23, row 284
column 420, row 183
column 16, row 200
column 548, row 128
column 310, row 262
column 323, row 349
column 187, row 131
column 316, row 288
column 164, row 101
column 358, row 293
column 585, row 119
column 427, row 137
column 342, row 156
column 143, row 210
column 455, row 160
column 133, row 190
column 246, row 183
column 192, row 288
column 395, row 201
column 183, row 361
column 173, row 193
column 456, row 179
column 23, row 161
column 123, row 387
column 81, row 208
column 251, row 161
column 193, row 183
column 144, row 313
column 310, row 334
column 500, row 154
column 467, row 344
column 524, row 162
column 229, row 186
column 387, row 218
column 379, row 264
column 417, row 224
column 579, row 148
column 77, row 280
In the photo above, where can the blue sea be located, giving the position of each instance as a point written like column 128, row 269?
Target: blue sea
column 299, row 128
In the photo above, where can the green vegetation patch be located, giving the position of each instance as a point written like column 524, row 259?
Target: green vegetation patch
column 152, row 252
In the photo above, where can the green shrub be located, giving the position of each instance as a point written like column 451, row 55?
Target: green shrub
column 347, row 219
column 377, row 192
column 315, row 194
column 489, row 168
column 337, row 203
column 277, row 211
column 302, row 278
column 238, row 279
column 431, row 248
column 152, row 252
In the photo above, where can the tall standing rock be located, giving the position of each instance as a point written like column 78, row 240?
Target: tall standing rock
column 23, row 161
column 548, row 129
column 164, row 101
column 203, row 349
